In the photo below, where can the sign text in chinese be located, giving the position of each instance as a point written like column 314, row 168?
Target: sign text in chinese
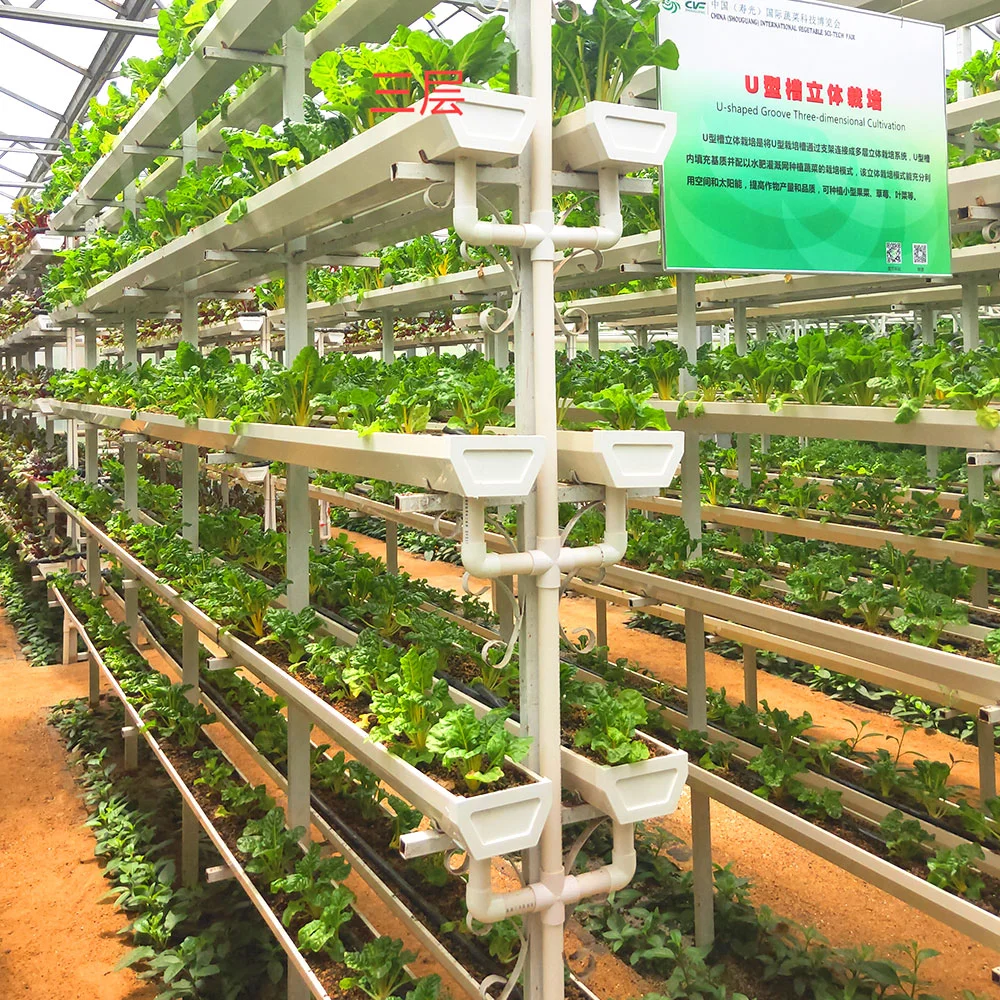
column 810, row 138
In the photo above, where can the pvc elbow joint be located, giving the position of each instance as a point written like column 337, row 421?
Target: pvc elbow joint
column 491, row 565
column 468, row 225
column 490, row 907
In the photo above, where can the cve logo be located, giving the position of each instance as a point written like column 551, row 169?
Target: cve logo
column 671, row 6
column 694, row 5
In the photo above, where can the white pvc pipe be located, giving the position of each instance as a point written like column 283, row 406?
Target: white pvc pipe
column 465, row 215
column 551, row 895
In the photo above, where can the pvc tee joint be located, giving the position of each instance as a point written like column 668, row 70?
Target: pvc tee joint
column 541, row 229
column 535, row 562
column 556, row 890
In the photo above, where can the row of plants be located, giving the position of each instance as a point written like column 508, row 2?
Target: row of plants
column 305, row 886
column 925, row 785
column 393, row 691
column 25, row 604
column 840, row 687
column 204, row 942
column 864, row 500
column 689, row 958
column 888, row 591
column 617, row 386
column 847, row 366
column 599, row 53
column 777, row 951
column 468, row 394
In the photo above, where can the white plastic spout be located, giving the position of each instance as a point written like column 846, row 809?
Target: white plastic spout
column 612, row 549
column 473, row 230
column 491, row 565
column 608, row 231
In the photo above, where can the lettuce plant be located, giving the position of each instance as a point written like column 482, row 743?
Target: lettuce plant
column 475, row 747
column 612, row 718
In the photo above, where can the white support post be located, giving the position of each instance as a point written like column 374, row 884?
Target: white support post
column 69, row 641
column 315, row 520
column 970, row 314
column 50, row 432
column 740, row 327
column 130, row 737
column 986, row 739
column 224, row 487
column 93, row 681
column 594, row 336
column 976, row 492
column 601, row 610
column 190, row 833
column 963, row 39
column 392, row 546
column 927, row 335
column 687, row 335
column 701, row 817
column 48, row 353
column 501, row 350
column 130, row 343
column 189, row 492
column 927, row 331
column 750, row 676
column 130, row 463
column 298, row 524
column 90, row 476
column 298, row 511
column 299, row 729
column 388, row 338
column 743, row 445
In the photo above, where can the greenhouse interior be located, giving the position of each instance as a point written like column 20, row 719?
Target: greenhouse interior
column 501, row 499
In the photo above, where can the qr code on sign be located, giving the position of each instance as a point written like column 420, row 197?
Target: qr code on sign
column 894, row 253
column 919, row 253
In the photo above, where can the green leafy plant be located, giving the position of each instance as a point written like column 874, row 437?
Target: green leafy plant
column 475, row 747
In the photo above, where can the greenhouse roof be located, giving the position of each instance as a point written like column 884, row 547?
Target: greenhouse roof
column 55, row 55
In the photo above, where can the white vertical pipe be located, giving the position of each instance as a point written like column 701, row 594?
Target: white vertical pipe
column 976, row 492
column 521, row 27
column 986, row 740
column 298, row 515
column 970, row 314
column 388, row 338
column 927, row 325
column 190, row 665
column 594, row 336
column 963, row 40
column 130, row 353
column 298, row 522
column 701, row 820
column 687, row 336
column 548, row 736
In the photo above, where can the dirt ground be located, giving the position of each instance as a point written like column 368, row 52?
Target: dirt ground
column 58, row 939
column 790, row 880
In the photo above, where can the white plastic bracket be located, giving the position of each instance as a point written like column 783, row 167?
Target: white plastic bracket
column 243, row 55
column 427, row 503
column 423, row 843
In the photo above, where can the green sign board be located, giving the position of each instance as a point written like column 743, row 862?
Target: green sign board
column 810, row 138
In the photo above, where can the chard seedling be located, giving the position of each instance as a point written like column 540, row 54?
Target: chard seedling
column 475, row 748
